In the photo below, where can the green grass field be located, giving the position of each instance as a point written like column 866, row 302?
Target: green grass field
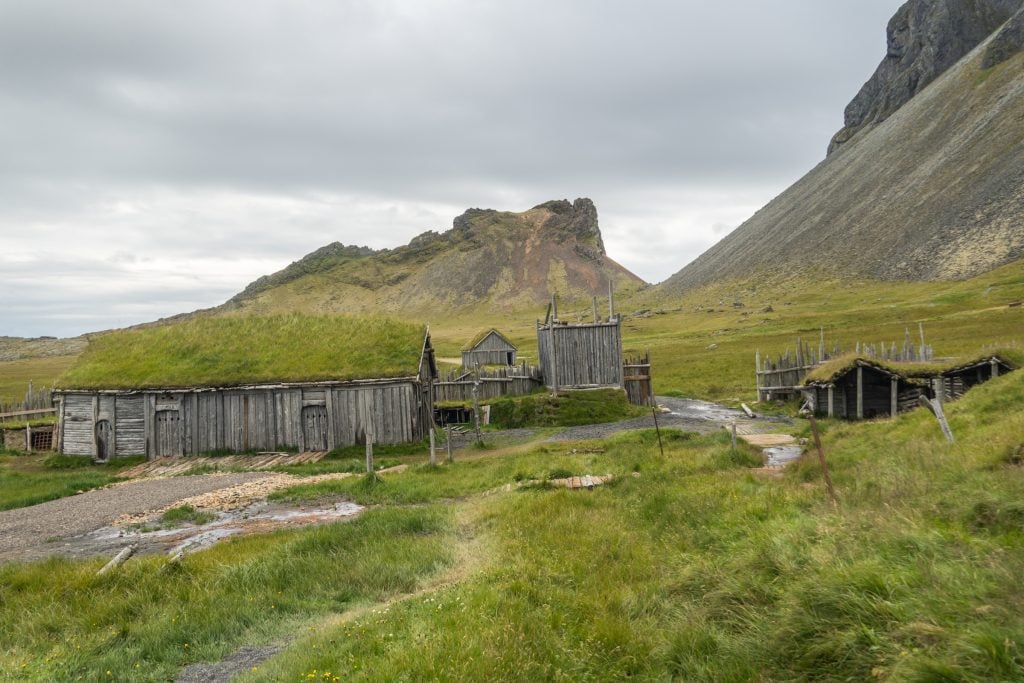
column 690, row 566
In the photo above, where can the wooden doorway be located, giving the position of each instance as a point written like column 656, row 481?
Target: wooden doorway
column 104, row 440
column 168, row 432
column 314, row 427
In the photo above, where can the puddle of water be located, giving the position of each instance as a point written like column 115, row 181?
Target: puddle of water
column 777, row 456
column 259, row 517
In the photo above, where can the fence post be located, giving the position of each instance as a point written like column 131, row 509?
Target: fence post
column 476, row 402
column 448, row 440
column 369, row 452
column 433, row 452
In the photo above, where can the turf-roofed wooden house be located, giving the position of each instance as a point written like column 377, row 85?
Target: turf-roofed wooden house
column 489, row 347
column 241, row 384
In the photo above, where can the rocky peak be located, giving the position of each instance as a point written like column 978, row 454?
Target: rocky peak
column 924, row 38
column 578, row 221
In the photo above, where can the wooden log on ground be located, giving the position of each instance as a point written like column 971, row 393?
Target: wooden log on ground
column 117, row 560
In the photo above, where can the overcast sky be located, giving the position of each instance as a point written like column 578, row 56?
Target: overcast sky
column 155, row 157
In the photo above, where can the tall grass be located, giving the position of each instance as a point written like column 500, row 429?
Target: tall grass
column 147, row 619
column 699, row 570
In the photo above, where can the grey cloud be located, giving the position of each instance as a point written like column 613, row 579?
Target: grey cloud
column 235, row 128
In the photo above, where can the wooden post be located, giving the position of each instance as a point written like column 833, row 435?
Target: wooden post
column 657, row 430
column 894, row 397
column 860, row 392
column 95, row 419
column 554, row 359
column 994, row 364
column 476, row 402
column 369, row 452
column 448, row 441
column 118, row 559
column 734, row 435
column 433, row 452
column 596, row 319
column 821, row 459
column 831, row 400
column 28, row 438
column 757, row 372
column 920, row 327
column 937, row 411
column 611, row 302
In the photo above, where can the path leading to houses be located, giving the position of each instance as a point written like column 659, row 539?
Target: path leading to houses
column 686, row 414
column 42, row 530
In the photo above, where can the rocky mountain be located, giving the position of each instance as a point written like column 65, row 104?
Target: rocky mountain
column 924, row 38
column 501, row 259
column 932, row 188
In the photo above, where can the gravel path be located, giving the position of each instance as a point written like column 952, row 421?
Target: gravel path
column 686, row 414
column 29, row 533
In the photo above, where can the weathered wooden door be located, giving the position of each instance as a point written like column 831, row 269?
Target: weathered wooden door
column 314, row 425
column 104, row 442
column 168, row 432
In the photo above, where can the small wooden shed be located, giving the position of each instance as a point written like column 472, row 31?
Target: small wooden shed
column 861, row 389
column 381, row 388
column 489, row 347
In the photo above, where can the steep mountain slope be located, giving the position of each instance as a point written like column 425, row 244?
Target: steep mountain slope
column 502, row 259
column 936, row 191
column 924, row 38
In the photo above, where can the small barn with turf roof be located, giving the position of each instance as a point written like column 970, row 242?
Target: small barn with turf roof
column 489, row 347
column 858, row 388
column 239, row 384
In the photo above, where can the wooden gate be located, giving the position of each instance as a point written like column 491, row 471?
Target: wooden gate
column 314, row 425
column 168, row 432
column 636, row 380
column 104, row 445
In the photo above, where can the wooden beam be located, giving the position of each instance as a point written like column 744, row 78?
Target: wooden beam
column 831, row 400
column 860, row 392
column 894, row 397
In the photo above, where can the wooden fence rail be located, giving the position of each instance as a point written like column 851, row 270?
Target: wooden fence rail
column 457, row 385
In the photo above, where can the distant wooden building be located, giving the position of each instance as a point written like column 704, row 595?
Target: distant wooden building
column 396, row 407
column 490, row 347
column 580, row 356
column 863, row 390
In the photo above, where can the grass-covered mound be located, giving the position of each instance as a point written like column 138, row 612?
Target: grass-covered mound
column 229, row 351
column 563, row 410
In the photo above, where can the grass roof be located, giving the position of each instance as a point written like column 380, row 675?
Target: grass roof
column 480, row 336
column 831, row 370
column 231, row 351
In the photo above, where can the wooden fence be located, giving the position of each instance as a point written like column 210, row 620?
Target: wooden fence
column 457, row 385
column 35, row 399
column 636, row 379
column 779, row 377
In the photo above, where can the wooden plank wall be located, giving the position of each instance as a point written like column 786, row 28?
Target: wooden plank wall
column 579, row 356
column 189, row 423
column 494, row 382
